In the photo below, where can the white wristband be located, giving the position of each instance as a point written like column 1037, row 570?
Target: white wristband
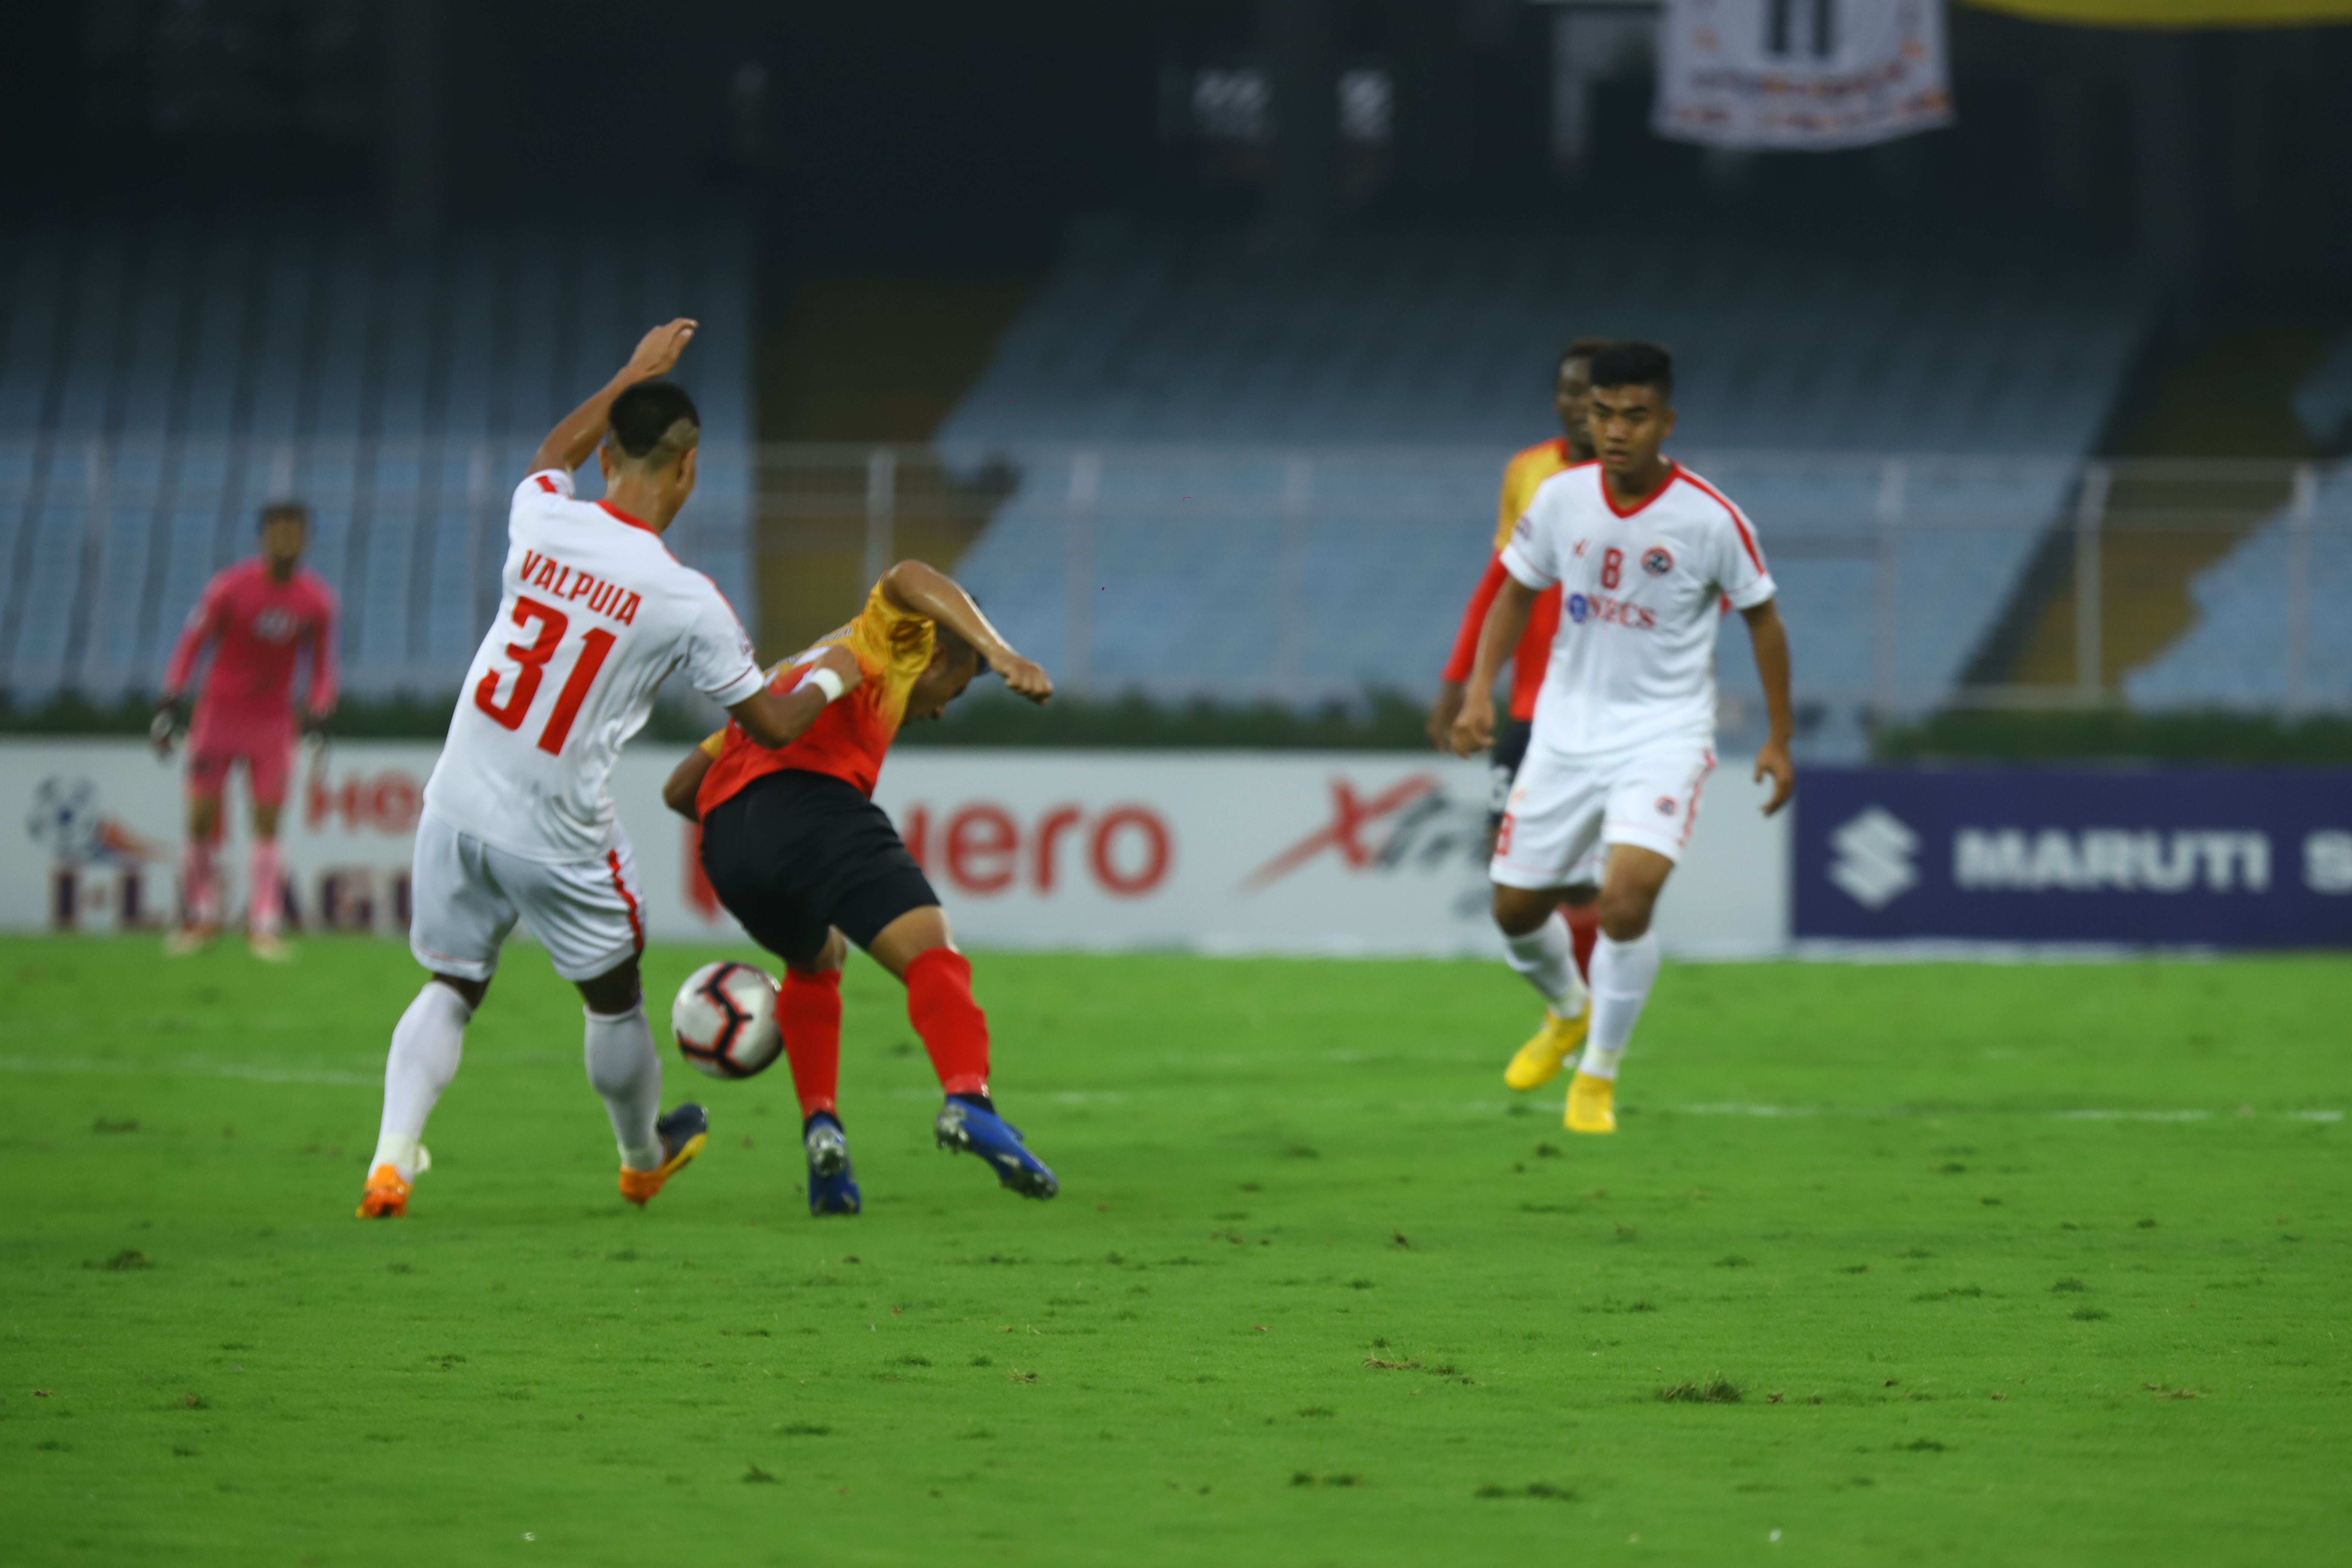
column 827, row 681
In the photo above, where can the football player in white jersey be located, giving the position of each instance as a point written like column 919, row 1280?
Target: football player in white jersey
column 517, row 822
column 1646, row 553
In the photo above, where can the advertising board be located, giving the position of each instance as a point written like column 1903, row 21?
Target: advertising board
column 2218, row 858
column 1213, row 851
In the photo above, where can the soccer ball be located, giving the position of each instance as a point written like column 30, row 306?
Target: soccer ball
column 725, row 1020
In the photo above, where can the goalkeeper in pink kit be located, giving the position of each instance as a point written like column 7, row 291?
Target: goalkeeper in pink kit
column 262, row 611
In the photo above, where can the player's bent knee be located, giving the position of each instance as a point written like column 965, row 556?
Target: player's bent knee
column 473, row 991
column 828, row 959
column 616, row 991
column 908, row 937
column 1518, row 910
column 1625, row 915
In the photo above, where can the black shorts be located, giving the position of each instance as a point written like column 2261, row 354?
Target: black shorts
column 1509, row 751
column 793, row 854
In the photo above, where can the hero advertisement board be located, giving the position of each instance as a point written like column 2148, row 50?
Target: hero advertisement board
column 1214, row 851
column 2193, row 856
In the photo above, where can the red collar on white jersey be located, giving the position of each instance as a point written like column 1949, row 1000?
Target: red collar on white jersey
column 632, row 522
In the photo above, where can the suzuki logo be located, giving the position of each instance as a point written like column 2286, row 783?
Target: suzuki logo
column 1873, row 863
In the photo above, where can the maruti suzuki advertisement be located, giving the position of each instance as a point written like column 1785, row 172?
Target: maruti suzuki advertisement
column 2198, row 857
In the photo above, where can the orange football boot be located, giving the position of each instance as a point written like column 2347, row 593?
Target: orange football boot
column 387, row 1194
column 683, row 1132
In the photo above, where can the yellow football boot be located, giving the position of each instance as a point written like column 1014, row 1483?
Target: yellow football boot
column 1537, row 1062
column 1592, row 1104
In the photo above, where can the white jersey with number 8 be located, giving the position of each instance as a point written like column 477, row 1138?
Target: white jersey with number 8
column 595, row 612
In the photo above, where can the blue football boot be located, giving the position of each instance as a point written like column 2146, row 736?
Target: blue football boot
column 832, row 1183
column 965, row 1127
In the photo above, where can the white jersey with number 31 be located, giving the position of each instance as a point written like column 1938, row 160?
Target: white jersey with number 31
column 595, row 613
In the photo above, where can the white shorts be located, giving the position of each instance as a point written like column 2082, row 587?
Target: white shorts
column 1562, row 808
column 466, row 897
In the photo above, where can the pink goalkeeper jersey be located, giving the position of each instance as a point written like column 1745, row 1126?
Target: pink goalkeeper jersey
column 261, row 625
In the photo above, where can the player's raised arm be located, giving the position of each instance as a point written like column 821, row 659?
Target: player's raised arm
column 912, row 586
column 570, row 443
column 1771, row 638
column 1507, row 622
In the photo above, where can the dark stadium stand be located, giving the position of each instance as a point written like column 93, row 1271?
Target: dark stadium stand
column 157, row 383
column 1978, row 376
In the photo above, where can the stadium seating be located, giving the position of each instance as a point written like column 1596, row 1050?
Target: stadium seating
column 2239, row 653
column 1361, row 396
column 158, row 382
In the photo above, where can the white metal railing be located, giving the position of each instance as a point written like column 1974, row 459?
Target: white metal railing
column 1911, row 581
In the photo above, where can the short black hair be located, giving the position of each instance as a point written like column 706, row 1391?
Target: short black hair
column 1632, row 362
column 646, row 419
column 1579, row 349
column 298, row 511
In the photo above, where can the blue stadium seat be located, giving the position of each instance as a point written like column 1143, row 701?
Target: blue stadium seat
column 1402, row 371
column 158, row 383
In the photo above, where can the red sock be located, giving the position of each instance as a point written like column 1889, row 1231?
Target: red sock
column 954, row 1030
column 1583, row 931
column 808, row 1007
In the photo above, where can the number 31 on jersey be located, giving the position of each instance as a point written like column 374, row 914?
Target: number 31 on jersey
column 530, row 669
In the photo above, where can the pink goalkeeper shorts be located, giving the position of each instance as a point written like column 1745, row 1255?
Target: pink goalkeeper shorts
column 268, row 755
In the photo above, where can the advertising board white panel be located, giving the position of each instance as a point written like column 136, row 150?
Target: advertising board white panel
column 1211, row 851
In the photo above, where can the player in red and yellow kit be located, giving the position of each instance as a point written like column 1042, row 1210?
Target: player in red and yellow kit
column 797, row 850
column 261, row 612
column 1540, row 1059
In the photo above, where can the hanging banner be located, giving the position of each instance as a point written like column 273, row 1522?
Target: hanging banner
column 2175, row 13
column 1800, row 75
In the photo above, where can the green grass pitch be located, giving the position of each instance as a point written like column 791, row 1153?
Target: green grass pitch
column 1948, row 1265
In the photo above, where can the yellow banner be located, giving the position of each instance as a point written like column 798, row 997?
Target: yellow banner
column 2175, row 13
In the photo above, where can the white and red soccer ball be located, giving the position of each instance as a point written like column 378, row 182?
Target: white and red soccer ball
column 725, row 1020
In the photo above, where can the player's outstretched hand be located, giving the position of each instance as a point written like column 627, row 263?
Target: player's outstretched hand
column 1025, row 676
column 1443, row 713
column 161, row 728
column 1474, row 726
column 843, row 663
column 659, row 350
column 1774, row 760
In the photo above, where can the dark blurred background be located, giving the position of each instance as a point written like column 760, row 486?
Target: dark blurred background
column 913, row 220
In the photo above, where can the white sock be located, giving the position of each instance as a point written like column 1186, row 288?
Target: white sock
column 1622, row 973
column 1548, row 961
column 426, row 1047
column 626, row 1069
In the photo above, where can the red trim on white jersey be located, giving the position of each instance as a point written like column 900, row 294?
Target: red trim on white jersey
column 633, row 522
column 1674, row 472
column 628, row 899
column 1738, row 518
column 548, row 485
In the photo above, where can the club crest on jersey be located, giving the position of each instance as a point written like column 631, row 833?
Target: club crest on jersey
column 1656, row 561
column 1666, row 805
